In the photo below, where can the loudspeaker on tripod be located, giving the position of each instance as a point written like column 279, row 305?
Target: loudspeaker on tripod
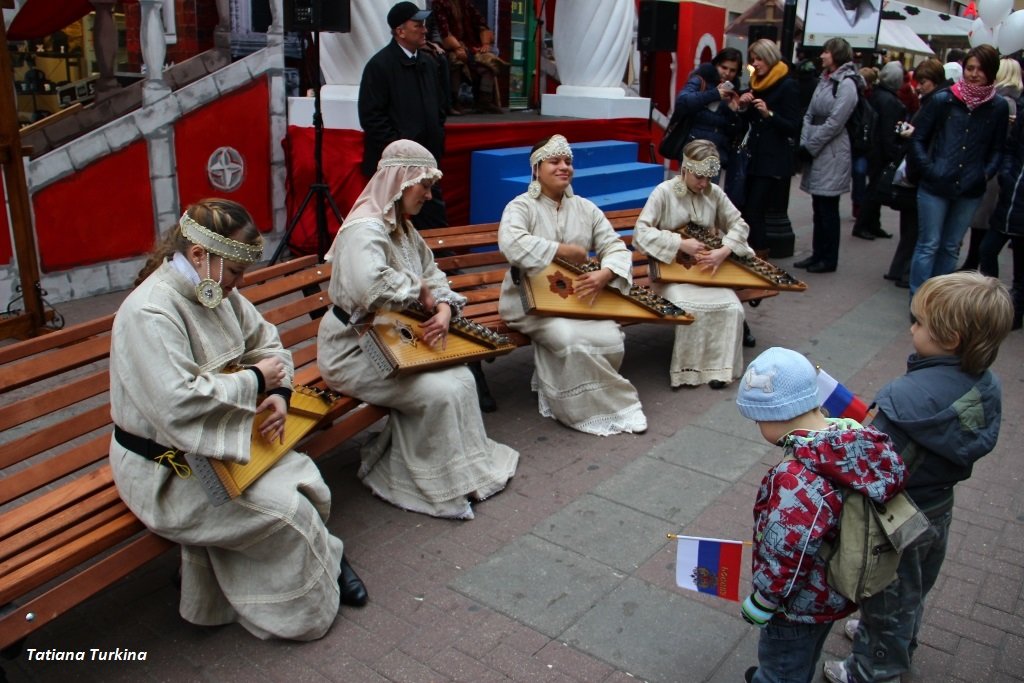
column 658, row 27
column 317, row 15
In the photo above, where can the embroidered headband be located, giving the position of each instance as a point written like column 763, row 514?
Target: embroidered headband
column 557, row 146
column 707, row 168
column 426, row 162
column 225, row 247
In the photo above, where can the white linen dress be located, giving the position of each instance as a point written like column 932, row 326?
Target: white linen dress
column 711, row 348
column 433, row 455
column 576, row 361
column 266, row 558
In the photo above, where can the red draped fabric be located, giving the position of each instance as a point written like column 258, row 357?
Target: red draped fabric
column 343, row 150
column 39, row 18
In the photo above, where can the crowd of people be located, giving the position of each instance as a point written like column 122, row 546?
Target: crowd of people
column 267, row 560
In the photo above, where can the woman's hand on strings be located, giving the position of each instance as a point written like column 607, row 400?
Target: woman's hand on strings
column 588, row 286
column 710, row 259
column 573, row 253
column 435, row 329
column 276, row 408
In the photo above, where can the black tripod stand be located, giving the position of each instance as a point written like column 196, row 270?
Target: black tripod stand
column 318, row 190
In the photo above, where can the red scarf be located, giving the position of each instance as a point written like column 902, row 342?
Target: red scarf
column 973, row 95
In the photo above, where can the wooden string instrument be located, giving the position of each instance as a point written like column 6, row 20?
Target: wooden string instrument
column 394, row 342
column 225, row 480
column 550, row 292
column 735, row 272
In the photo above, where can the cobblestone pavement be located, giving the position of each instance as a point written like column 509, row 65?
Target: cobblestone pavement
column 568, row 575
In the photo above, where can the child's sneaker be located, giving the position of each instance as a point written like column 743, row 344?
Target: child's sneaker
column 850, row 628
column 835, row 671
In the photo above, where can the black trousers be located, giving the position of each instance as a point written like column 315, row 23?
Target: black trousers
column 825, row 241
column 762, row 195
column 899, row 267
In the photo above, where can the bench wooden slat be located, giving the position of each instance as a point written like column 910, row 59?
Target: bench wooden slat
column 36, row 368
column 41, row 440
column 53, row 469
column 43, row 541
column 50, row 522
column 471, row 260
column 53, row 340
column 297, row 309
column 459, row 230
column 43, row 404
column 76, row 589
column 294, row 282
column 16, row 519
column 341, row 430
column 68, row 556
column 265, row 273
column 483, row 239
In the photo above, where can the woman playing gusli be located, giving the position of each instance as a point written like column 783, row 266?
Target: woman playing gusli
column 709, row 351
column 264, row 559
column 577, row 361
column 433, row 456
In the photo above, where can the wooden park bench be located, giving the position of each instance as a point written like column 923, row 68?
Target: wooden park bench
column 64, row 532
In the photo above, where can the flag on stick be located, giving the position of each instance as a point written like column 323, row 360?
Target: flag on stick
column 709, row 565
column 837, row 400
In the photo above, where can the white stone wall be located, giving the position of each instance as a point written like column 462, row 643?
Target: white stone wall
column 154, row 123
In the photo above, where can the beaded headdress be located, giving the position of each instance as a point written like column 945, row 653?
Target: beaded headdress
column 208, row 291
column 222, row 246
column 706, row 168
column 556, row 147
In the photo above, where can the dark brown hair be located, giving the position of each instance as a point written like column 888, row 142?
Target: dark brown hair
column 988, row 58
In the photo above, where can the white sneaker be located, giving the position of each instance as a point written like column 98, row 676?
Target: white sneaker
column 835, row 671
column 850, row 628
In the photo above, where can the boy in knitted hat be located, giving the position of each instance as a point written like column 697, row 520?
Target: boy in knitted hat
column 798, row 506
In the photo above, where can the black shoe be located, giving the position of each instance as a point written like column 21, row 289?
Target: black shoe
column 803, row 263
column 893, row 278
column 353, row 592
column 902, row 284
column 820, row 267
column 717, row 384
column 748, row 675
column 748, row 337
column 864, row 234
column 878, row 232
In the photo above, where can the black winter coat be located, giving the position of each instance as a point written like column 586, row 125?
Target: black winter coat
column 1008, row 215
column 721, row 126
column 955, row 150
column 889, row 146
column 400, row 98
column 772, row 140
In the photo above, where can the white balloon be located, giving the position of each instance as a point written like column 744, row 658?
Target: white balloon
column 981, row 34
column 1011, row 33
column 993, row 11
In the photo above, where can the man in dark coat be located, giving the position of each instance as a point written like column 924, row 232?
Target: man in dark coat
column 401, row 97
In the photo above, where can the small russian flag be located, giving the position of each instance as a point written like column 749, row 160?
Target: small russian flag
column 709, row 565
column 837, row 400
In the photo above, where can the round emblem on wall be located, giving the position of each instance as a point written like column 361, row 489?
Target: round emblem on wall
column 226, row 169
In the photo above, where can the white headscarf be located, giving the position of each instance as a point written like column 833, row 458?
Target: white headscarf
column 403, row 163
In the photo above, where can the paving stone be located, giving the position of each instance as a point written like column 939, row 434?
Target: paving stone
column 656, row 635
column 662, row 490
column 457, row 666
column 561, row 657
column 711, row 452
column 538, row 583
column 605, row 531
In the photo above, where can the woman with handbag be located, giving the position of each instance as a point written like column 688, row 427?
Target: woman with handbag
column 930, row 78
column 825, row 151
column 889, row 148
column 707, row 104
column 772, row 109
column 956, row 146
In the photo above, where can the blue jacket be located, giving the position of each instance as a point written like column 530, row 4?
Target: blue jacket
column 941, row 420
column 955, row 150
column 721, row 126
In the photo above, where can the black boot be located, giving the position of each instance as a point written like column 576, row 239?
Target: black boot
column 748, row 337
column 973, row 250
column 353, row 592
column 483, row 393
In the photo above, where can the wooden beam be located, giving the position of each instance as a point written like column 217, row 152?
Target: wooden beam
column 18, row 200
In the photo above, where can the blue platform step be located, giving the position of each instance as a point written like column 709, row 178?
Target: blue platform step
column 606, row 172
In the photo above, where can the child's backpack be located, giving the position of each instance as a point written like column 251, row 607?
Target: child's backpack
column 865, row 555
column 861, row 125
